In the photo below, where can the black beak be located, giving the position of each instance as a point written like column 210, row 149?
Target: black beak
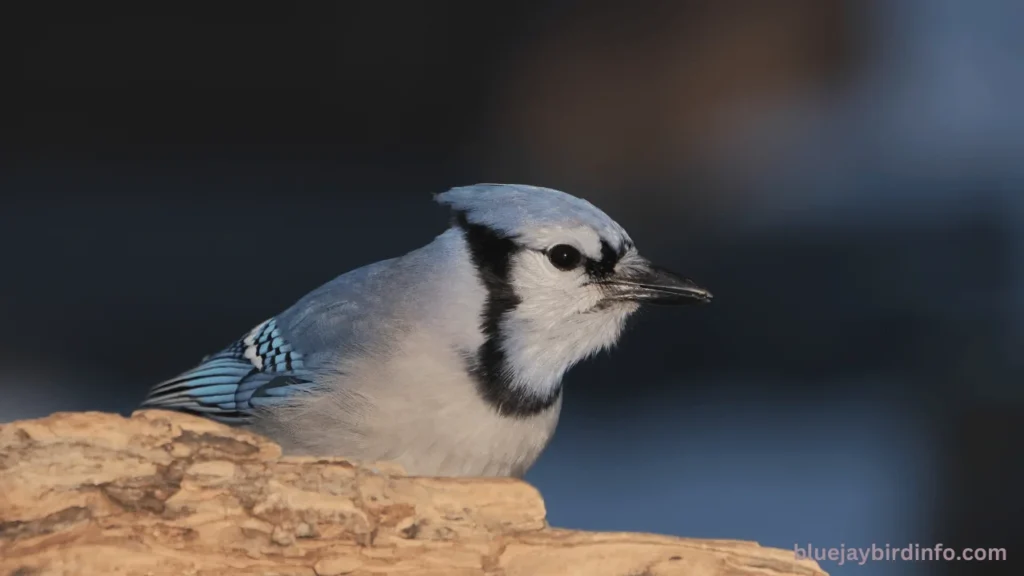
column 649, row 284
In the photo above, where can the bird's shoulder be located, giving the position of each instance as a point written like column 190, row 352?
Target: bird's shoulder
column 339, row 311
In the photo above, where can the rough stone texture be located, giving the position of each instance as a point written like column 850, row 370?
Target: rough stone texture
column 165, row 493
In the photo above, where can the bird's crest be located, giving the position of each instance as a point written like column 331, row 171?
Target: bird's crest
column 517, row 210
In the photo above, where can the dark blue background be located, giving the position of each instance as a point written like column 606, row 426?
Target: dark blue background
column 173, row 174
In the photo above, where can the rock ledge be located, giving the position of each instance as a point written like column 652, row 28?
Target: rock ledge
column 163, row 493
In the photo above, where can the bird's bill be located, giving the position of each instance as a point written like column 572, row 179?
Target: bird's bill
column 650, row 284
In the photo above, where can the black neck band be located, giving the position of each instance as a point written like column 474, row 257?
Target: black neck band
column 492, row 254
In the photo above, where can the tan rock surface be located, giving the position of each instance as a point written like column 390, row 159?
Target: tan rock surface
column 162, row 493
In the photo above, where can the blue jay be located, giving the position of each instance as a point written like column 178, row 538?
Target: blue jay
column 447, row 360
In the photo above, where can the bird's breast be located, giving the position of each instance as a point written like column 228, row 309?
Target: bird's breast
column 418, row 407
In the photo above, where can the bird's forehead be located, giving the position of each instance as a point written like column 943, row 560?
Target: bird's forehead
column 537, row 216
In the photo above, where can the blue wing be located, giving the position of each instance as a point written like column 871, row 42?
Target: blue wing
column 259, row 370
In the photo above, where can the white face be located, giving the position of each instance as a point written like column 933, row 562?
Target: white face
column 562, row 317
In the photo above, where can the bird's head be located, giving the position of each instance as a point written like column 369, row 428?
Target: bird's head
column 562, row 278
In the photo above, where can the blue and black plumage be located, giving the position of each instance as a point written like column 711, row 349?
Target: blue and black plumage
column 448, row 359
column 229, row 385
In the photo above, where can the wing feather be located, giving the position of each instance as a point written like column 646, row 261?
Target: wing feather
column 257, row 371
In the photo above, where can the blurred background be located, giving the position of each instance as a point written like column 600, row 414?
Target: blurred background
column 845, row 176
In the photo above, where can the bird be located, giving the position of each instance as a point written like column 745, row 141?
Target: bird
column 448, row 360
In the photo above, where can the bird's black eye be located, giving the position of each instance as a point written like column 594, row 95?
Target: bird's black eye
column 564, row 257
